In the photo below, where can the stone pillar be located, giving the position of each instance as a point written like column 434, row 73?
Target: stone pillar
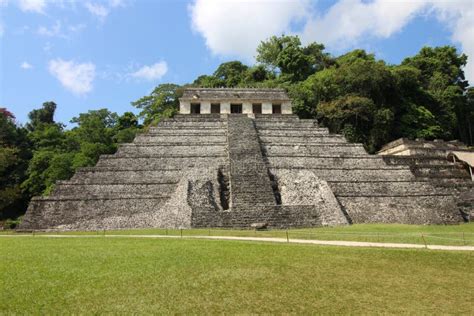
column 247, row 108
column 225, row 107
column 286, row 108
column 184, row 107
column 205, row 107
column 267, row 108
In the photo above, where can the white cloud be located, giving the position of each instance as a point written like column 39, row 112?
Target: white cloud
column 37, row 6
column 348, row 21
column 2, row 29
column 53, row 31
column 116, row 3
column 97, row 9
column 76, row 28
column 237, row 27
column 25, row 65
column 459, row 16
column 152, row 72
column 102, row 9
column 57, row 30
column 75, row 77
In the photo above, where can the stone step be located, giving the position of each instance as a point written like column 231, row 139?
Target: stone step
column 284, row 137
column 127, row 176
column 181, row 150
column 315, row 150
column 177, row 128
column 151, row 156
column 209, row 126
column 249, row 180
column 292, row 131
column 419, row 210
column 313, row 140
column 329, row 161
column 194, row 121
column 251, row 183
column 91, row 197
column 415, row 160
column 186, row 132
column 441, row 172
column 71, row 188
column 185, row 139
column 251, row 200
column 146, row 142
column 453, row 183
column 366, row 175
column 172, row 145
column 261, row 124
column 276, row 139
column 126, row 168
column 96, row 213
column 275, row 117
column 151, row 162
column 388, row 188
column 199, row 117
column 427, row 151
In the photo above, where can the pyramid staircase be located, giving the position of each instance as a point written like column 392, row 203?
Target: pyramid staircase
column 234, row 171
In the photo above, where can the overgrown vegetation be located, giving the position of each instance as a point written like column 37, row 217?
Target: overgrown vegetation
column 34, row 157
column 367, row 100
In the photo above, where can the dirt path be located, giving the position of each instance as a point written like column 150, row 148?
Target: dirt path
column 272, row 239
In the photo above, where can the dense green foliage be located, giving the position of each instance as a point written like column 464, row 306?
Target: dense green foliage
column 161, row 103
column 14, row 156
column 367, row 100
column 32, row 159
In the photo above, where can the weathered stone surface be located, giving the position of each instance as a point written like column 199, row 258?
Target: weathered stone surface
column 259, row 226
column 421, row 147
column 299, row 187
column 235, row 171
column 370, row 189
column 466, row 205
column 249, row 177
column 402, row 209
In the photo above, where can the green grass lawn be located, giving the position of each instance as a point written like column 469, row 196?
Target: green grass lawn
column 129, row 275
column 457, row 235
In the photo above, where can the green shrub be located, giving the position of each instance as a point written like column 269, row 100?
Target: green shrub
column 12, row 223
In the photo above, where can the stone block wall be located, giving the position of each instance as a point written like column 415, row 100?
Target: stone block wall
column 370, row 189
column 153, row 182
column 220, row 170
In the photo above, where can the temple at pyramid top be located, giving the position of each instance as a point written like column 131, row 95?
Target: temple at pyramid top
column 231, row 100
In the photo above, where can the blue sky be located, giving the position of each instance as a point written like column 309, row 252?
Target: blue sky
column 93, row 54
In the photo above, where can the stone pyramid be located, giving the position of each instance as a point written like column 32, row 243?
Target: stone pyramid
column 235, row 170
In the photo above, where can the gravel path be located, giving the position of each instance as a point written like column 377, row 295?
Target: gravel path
column 272, row 239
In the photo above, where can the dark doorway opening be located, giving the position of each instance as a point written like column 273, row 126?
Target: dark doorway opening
column 257, row 108
column 215, row 108
column 276, row 108
column 195, row 108
column 236, row 108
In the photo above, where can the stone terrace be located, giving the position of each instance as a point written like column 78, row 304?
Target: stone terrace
column 220, row 170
